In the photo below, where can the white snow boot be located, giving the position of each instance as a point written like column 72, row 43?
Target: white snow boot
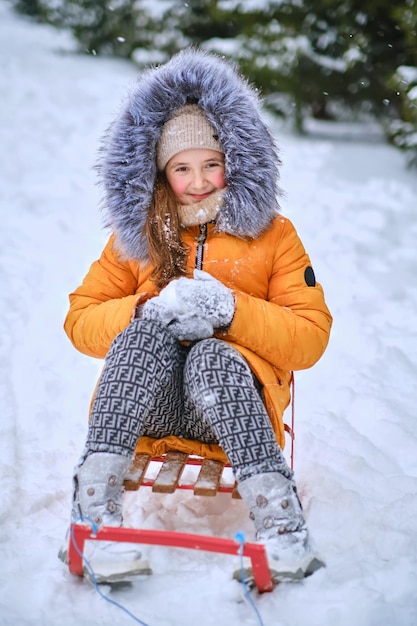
column 98, row 489
column 280, row 526
column 98, row 499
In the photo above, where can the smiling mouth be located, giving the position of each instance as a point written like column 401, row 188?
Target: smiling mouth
column 200, row 196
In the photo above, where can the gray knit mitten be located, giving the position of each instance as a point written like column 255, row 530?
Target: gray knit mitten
column 156, row 310
column 183, row 325
column 189, row 327
column 206, row 296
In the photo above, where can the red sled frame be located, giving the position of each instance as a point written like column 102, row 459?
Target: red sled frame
column 82, row 532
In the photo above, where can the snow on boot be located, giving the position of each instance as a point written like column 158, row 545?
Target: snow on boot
column 98, row 488
column 98, row 499
column 280, row 526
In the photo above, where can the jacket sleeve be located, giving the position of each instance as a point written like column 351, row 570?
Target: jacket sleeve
column 290, row 328
column 103, row 305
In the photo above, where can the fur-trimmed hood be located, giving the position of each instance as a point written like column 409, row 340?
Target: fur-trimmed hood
column 127, row 166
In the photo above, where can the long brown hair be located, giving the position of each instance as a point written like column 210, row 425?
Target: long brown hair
column 167, row 251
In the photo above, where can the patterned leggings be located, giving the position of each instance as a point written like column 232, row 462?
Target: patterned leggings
column 152, row 385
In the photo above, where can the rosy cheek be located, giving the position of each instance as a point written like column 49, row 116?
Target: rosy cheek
column 218, row 180
column 178, row 186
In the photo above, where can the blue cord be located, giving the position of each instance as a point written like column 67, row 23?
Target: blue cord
column 92, row 573
column 240, row 538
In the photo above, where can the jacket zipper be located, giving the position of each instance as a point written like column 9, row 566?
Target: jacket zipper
column 201, row 240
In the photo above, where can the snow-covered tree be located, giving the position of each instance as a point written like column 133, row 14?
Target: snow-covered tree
column 403, row 130
column 110, row 27
column 331, row 56
column 330, row 59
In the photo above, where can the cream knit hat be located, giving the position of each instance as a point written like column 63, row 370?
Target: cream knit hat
column 187, row 129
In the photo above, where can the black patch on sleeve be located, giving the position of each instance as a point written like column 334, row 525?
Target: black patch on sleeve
column 309, row 277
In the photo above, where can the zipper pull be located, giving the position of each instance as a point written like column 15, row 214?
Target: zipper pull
column 203, row 234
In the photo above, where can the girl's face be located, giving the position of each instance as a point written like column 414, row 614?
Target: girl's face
column 195, row 174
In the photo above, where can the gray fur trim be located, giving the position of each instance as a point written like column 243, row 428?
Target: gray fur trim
column 127, row 166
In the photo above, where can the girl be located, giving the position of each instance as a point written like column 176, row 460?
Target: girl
column 202, row 302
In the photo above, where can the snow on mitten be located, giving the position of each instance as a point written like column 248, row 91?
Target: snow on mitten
column 156, row 310
column 168, row 296
column 184, row 326
column 190, row 327
column 207, row 297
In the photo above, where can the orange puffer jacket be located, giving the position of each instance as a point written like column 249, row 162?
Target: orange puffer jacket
column 281, row 322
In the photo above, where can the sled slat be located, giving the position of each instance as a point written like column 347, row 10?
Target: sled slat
column 208, row 480
column 235, row 492
column 137, row 472
column 170, row 472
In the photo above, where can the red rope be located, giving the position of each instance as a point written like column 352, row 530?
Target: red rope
column 292, row 418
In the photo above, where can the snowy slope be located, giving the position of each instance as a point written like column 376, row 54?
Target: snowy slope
column 354, row 205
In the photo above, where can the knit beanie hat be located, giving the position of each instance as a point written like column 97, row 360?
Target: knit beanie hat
column 187, row 129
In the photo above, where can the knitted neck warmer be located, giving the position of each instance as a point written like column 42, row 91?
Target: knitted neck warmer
column 201, row 212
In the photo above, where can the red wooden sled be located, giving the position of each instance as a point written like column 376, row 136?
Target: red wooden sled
column 209, row 482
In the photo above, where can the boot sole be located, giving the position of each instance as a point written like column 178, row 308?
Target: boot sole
column 111, row 573
column 284, row 572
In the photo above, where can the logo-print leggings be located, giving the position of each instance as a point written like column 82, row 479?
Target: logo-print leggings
column 152, row 385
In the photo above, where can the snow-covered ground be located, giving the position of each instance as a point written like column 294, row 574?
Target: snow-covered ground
column 355, row 206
